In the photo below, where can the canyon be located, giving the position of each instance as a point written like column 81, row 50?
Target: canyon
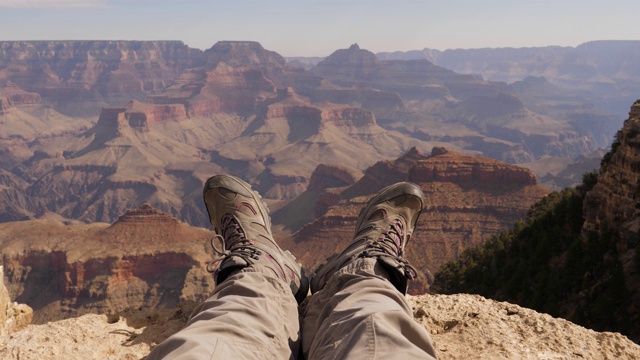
column 105, row 146
column 93, row 128
column 149, row 259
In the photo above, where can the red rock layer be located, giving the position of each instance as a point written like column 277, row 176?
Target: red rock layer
column 140, row 115
column 146, row 259
column 12, row 95
column 115, row 70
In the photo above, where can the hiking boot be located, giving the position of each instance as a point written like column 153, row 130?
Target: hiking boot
column 243, row 228
column 384, row 228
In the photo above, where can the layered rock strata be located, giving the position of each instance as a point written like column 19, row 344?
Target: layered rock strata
column 13, row 316
column 146, row 259
column 68, row 72
column 12, row 95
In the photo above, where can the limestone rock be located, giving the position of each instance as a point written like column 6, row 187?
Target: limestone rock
column 13, row 316
column 462, row 326
column 470, row 326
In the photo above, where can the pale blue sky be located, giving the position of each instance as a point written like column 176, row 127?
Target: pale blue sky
column 317, row 28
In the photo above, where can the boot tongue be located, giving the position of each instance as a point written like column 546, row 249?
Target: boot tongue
column 378, row 215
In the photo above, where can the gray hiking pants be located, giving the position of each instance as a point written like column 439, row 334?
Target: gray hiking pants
column 253, row 315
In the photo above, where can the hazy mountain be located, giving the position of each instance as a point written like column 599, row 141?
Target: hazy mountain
column 605, row 72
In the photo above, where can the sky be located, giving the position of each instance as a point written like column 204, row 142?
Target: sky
column 319, row 27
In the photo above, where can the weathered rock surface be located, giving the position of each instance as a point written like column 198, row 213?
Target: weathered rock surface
column 462, row 326
column 470, row 326
column 13, row 316
column 468, row 199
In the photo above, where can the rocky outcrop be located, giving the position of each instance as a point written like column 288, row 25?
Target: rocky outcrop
column 332, row 176
column 12, row 95
column 222, row 89
column 461, row 326
column 237, row 88
column 350, row 64
column 449, row 166
column 13, row 316
column 243, row 53
column 139, row 115
column 146, row 259
column 149, row 113
column 147, row 215
column 271, row 64
column 468, row 199
column 290, row 105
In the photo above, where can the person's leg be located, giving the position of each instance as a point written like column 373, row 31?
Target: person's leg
column 253, row 312
column 251, row 315
column 358, row 309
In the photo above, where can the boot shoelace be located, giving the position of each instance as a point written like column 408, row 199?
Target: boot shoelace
column 390, row 244
column 233, row 243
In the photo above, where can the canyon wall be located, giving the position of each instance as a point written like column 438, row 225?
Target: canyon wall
column 146, row 259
